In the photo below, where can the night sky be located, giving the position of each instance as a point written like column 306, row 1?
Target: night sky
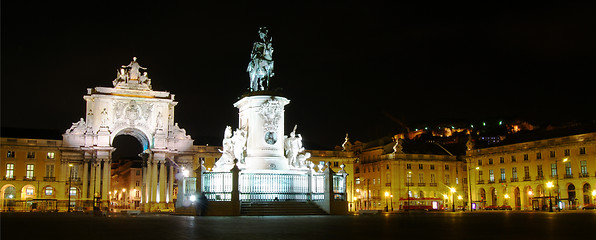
column 346, row 67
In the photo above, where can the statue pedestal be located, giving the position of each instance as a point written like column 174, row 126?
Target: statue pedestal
column 262, row 116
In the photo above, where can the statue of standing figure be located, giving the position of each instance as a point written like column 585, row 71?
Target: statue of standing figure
column 227, row 154
column 234, row 147
column 239, row 141
column 293, row 146
column 260, row 67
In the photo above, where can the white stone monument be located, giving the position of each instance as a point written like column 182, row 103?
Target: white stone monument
column 259, row 143
column 132, row 108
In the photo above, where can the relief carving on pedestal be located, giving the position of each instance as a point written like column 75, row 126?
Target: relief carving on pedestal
column 271, row 111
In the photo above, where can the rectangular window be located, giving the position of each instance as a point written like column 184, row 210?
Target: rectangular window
column 357, row 180
column 479, row 162
column 409, row 178
column 50, row 170
column 408, row 166
column 420, row 177
column 513, row 159
column 420, row 166
column 538, row 155
column 10, row 170
column 491, row 175
column 30, row 154
column 30, row 191
column 446, row 167
column 552, row 154
column 526, row 172
column 73, row 191
column 335, row 164
column 137, row 183
column 501, row 160
column 432, row 167
column 490, row 161
column 583, row 167
column 526, row 157
column 30, row 171
column 446, row 179
column 480, row 175
column 514, row 173
column 539, row 172
column 75, row 172
column 566, row 152
column 51, row 155
column 432, row 178
column 568, row 172
column 138, row 173
column 502, row 174
column 582, row 150
column 10, row 154
column 553, row 169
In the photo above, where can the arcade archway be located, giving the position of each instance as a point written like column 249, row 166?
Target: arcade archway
column 129, row 108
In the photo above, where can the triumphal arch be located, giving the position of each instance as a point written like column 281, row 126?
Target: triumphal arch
column 130, row 107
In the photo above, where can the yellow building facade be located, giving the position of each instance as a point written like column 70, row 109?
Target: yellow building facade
column 529, row 175
column 34, row 176
column 384, row 179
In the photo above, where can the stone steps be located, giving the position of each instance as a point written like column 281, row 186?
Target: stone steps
column 280, row 208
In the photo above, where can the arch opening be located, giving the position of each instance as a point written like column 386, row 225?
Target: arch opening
column 137, row 134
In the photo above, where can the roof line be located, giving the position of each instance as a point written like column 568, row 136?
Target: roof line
column 444, row 149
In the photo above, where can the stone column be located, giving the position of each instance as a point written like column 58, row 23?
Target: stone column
column 105, row 185
column 144, row 188
column 92, row 180
column 85, row 176
column 162, row 181
column 171, row 184
column 147, row 181
column 235, row 191
column 153, row 182
column 97, row 177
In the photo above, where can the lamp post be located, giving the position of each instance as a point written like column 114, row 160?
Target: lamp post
column 386, row 203
column 409, row 180
column 549, row 185
column 69, row 183
column 452, row 199
column 593, row 193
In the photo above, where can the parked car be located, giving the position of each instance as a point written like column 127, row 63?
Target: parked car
column 491, row 208
column 505, row 208
column 589, row 207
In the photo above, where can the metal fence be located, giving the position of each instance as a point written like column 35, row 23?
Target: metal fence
column 217, row 186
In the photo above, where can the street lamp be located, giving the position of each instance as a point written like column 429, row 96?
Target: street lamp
column 408, row 185
column 386, row 203
column 549, row 185
column 391, row 196
column 452, row 199
column 69, row 183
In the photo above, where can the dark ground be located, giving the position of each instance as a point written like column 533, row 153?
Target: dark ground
column 487, row 225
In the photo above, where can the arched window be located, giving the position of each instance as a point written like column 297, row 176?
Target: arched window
column 587, row 193
column 49, row 191
column 73, row 191
column 10, row 192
